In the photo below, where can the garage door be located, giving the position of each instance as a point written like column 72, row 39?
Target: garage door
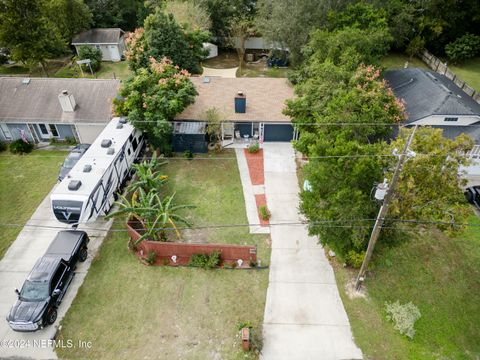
column 277, row 132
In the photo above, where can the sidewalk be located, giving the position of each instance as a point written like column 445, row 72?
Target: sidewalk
column 31, row 243
column 304, row 315
column 249, row 192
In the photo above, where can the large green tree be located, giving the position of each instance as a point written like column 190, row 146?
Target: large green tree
column 289, row 23
column 28, row 32
column 164, row 37
column 125, row 14
column 71, row 16
column 152, row 97
column 429, row 185
column 340, row 170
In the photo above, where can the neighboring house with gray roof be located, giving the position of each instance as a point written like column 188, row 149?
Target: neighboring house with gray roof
column 110, row 41
column 42, row 109
column 251, row 108
column 433, row 99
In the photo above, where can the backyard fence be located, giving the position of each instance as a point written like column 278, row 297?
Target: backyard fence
column 437, row 65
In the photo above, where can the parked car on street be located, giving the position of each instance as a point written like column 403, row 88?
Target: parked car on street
column 72, row 158
column 472, row 194
column 46, row 285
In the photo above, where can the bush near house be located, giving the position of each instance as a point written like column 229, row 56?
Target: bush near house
column 21, row 147
column 94, row 54
column 3, row 146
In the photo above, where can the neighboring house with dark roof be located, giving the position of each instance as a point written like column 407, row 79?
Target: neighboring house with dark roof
column 251, row 108
column 110, row 41
column 44, row 108
column 433, row 99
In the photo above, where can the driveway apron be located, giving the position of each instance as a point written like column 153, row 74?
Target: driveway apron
column 304, row 315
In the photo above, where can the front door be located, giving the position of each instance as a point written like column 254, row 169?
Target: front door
column 47, row 131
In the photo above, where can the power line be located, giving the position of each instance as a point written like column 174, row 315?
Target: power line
column 324, row 223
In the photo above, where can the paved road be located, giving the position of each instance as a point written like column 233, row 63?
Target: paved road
column 304, row 315
column 30, row 244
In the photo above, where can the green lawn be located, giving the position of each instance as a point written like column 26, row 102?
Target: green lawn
column 398, row 60
column 129, row 310
column 469, row 71
column 441, row 276
column 108, row 70
column 25, row 181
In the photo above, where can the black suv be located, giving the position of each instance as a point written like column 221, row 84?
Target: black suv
column 47, row 283
column 472, row 194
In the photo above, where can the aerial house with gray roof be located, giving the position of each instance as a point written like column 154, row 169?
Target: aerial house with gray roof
column 110, row 41
column 41, row 109
column 434, row 100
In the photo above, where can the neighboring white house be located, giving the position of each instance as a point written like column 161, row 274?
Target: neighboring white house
column 41, row 109
column 212, row 50
column 110, row 41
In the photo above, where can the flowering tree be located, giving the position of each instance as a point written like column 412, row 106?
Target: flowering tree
column 152, row 97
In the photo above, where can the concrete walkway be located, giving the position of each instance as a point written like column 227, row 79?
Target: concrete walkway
column 225, row 73
column 31, row 243
column 249, row 192
column 304, row 315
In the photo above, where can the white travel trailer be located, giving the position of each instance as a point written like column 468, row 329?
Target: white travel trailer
column 90, row 188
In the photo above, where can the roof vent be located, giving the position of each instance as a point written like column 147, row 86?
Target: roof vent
column 110, row 151
column 122, row 121
column 87, row 168
column 106, row 143
column 26, row 81
column 119, row 126
column 74, row 185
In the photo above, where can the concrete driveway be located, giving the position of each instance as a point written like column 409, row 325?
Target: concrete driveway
column 30, row 244
column 304, row 315
column 225, row 73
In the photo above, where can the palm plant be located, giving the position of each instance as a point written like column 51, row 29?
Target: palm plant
column 155, row 215
column 148, row 177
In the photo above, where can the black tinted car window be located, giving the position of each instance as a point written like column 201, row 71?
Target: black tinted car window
column 58, row 274
column 34, row 291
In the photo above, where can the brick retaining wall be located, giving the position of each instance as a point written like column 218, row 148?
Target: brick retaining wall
column 184, row 251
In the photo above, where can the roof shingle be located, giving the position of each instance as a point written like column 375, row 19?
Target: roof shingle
column 265, row 99
column 38, row 100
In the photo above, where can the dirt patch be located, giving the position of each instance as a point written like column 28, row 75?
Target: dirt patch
column 255, row 167
column 261, row 200
column 197, row 236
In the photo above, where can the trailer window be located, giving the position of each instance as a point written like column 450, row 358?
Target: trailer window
column 135, row 144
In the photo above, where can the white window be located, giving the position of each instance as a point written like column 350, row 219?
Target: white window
column 53, row 130
column 6, row 131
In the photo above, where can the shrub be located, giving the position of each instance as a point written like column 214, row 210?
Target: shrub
column 264, row 212
column 20, row 147
column 403, row 316
column 94, row 54
column 3, row 59
column 253, row 148
column 463, row 48
column 205, row 261
column 151, row 257
column 188, row 154
column 355, row 259
column 3, row 146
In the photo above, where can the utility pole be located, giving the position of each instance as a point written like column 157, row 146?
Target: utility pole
column 383, row 212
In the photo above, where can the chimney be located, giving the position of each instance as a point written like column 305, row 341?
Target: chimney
column 67, row 101
column 240, row 102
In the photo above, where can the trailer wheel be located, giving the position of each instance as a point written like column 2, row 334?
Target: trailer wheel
column 82, row 256
column 51, row 316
